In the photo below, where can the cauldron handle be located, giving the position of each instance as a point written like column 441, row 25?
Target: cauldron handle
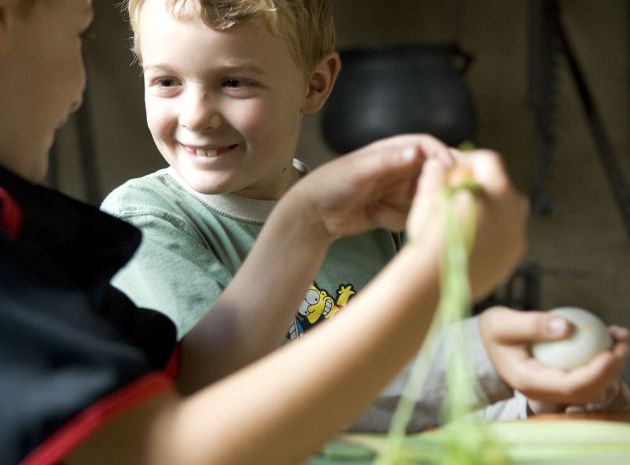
column 461, row 59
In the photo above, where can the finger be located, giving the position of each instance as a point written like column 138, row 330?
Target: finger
column 620, row 349
column 589, row 382
column 429, row 146
column 619, row 333
column 518, row 327
column 578, row 386
column 430, row 185
column 383, row 161
column 488, row 168
column 432, row 178
column 489, row 172
column 594, row 378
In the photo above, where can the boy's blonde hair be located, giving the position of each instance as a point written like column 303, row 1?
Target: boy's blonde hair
column 307, row 25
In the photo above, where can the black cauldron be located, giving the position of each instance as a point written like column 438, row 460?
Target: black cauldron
column 389, row 90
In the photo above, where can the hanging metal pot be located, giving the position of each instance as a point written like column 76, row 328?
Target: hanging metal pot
column 389, row 90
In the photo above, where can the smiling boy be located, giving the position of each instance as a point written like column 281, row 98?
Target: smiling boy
column 226, row 112
column 226, row 88
column 227, row 85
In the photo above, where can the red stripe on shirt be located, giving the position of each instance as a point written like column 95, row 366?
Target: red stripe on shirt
column 11, row 216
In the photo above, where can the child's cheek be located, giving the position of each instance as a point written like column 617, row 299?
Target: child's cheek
column 160, row 119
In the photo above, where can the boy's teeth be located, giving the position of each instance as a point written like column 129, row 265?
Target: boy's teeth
column 206, row 153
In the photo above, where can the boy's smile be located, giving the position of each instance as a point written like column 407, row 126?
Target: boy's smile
column 224, row 107
column 208, row 152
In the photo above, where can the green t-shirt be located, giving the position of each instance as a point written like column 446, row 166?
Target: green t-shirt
column 193, row 244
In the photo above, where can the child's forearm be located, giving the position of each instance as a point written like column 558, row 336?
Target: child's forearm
column 236, row 421
column 252, row 416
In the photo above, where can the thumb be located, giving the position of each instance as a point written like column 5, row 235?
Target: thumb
column 381, row 160
column 431, row 183
column 517, row 327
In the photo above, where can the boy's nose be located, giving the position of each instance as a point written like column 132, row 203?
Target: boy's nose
column 198, row 114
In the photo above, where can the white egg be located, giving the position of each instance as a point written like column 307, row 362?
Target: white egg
column 590, row 337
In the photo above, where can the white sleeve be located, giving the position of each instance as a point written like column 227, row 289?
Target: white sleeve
column 427, row 412
column 514, row 408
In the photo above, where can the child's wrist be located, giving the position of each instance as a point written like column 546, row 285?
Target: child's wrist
column 302, row 218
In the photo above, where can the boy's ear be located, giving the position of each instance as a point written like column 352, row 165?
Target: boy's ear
column 321, row 82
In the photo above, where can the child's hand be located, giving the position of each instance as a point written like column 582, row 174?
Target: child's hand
column 507, row 335
column 370, row 187
column 616, row 398
column 617, row 395
column 500, row 212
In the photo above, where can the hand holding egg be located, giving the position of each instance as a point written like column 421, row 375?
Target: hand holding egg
column 589, row 338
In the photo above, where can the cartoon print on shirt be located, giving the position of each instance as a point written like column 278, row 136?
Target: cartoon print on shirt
column 318, row 305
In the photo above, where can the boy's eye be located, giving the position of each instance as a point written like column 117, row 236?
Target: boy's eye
column 237, row 83
column 231, row 82
column 166, row 82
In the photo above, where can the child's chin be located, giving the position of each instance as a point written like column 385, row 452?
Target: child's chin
column 203, row 186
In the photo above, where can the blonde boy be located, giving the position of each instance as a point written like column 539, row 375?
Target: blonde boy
column 227, row 84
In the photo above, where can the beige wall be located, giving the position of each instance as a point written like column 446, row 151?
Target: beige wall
column 582, row 240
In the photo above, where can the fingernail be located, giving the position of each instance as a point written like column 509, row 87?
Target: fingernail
column 557, row 326
column 409, row 153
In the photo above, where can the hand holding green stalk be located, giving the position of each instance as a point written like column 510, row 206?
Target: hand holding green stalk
column 454, row 306
column 499, row 242
column 462, row 441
